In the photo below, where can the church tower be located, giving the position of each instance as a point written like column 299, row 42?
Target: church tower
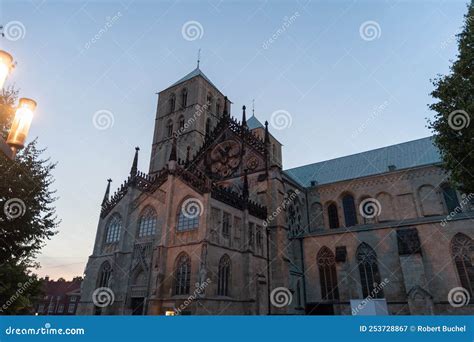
column 187, row 111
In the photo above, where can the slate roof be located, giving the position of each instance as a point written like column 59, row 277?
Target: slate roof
column 405, row 155
column 194, row 73
column 253, row 123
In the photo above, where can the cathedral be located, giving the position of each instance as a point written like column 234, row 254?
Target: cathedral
column 216, row 226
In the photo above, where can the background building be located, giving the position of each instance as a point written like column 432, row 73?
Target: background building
column 60, row 297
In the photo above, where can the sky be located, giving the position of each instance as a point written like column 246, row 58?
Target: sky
column 333, row 78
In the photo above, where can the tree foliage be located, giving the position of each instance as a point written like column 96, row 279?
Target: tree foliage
column 27, row 215
column 453, row 123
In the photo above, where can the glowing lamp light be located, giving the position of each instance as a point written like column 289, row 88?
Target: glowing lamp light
column 6, row 62
column 170, row 313
column 21, row 123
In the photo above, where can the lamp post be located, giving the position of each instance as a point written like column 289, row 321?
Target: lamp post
column 23, row 115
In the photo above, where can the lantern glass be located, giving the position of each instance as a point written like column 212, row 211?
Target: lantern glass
column 6, row 62
column 21, row 123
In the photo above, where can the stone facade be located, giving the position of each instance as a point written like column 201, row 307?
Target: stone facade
column 252, row 229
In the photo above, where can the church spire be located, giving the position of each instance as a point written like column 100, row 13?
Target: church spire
column 134, row 169
column 107, row 192
column 244, row 119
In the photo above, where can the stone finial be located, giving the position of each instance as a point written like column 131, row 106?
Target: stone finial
column 267, row 134
column 244, row 118
column 134, row 169
column 226, row 111
column 107, row 192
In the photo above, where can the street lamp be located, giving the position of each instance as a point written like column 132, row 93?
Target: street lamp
column 21, row 124
column 23, row 116
column 6, row 63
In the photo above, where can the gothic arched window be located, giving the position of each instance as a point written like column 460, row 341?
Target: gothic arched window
column 333, row 216
column 224, row 276
column 188, row 220
column 209, row 101
column 184, row 98
column 208, row 126
column 181, row 122
column 462, row 249
column 169, row 129
column 327, row 274
column 104, row 275
column 172, row 102
column 450, row 197
column 218, row 107
column 147, row 222
column 350, row 215
column 369, row 271
column 182, row 274
column 113, row 229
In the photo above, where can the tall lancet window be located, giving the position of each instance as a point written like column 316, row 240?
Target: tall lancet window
column 181, row 123
column 224, row 276
column 462, row 250
column 182, row 274
column 113, row 229
column 327, row 274
column 369, row 271
column 169, row 128
column 104, row 275
column 172, row 103
column 218, row 107
column 350, row 214
column 147, row 223
column 184, row 98
column 208, row 126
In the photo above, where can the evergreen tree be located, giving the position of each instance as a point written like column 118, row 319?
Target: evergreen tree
column 27, row 216
column 454, row 131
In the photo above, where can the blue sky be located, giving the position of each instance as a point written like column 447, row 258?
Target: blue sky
column 344, row 94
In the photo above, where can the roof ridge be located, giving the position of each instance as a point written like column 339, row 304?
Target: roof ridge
column 358, row 153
